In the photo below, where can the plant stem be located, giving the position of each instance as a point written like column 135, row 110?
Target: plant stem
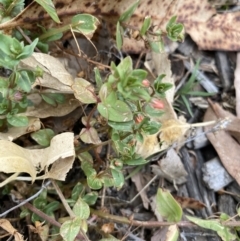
column 153, row 224
column 63, row 200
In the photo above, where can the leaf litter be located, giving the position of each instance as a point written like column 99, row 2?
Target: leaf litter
column 57, row 159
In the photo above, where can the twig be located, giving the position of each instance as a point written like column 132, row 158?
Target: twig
column 63, row 200
column 42, row 215
column 154, row 224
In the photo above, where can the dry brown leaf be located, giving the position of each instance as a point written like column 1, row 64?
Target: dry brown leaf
column 6, row 225
column 191, row 203
column 229, row 154
column 15, row 159
column 234, row 129
column 55, row 76
column 209, row 29
column 40, row 229
column 138, row 180
column 60, row 168
column 15, row 132
column 171, row 168
column 44, row 110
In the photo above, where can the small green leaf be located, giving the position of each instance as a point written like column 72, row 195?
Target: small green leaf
column 139, row 137
column 118, row 111
column 10, row 46
column 40, row 202
column 135, row 161
column 118, row 178
column 81, row 209
column 224, row 217
column 98, row 78
column 17, row 121
column 85, row 24
column 77, row 191
column 122, row 126
column 140, row 74
column 12, row 8
column 94, row 182
column 224, row 232
column 51, row 207
column 115, row 135
column 28, row 50
column 53, row 98
column 24, row 213
column 71, row 228
column 146, row 25
column 152, row 112
column 174, row 30
column 126, row 15
column 167, row 206
column 107, row 180
column 50, row 9
column 151, row 127
column 89, row 136
column 157, row 46
column 25, row 79
column 90, row 198
column 87, row 168
column 119, row 36
column 85, row 156
column 4, row 82
column 84, row 91
column 124, row 69
column 43, row 137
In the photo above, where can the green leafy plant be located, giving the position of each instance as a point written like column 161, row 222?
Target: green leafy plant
column 14, row 89
column 128, row 102
column 152, row 39
column 125, row 100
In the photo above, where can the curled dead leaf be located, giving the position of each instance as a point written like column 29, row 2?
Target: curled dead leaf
column 15, row 159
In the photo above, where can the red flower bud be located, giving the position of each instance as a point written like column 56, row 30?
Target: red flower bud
column 146, row 83
column 157, row 104
column 139, row 119
column 17, row 96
